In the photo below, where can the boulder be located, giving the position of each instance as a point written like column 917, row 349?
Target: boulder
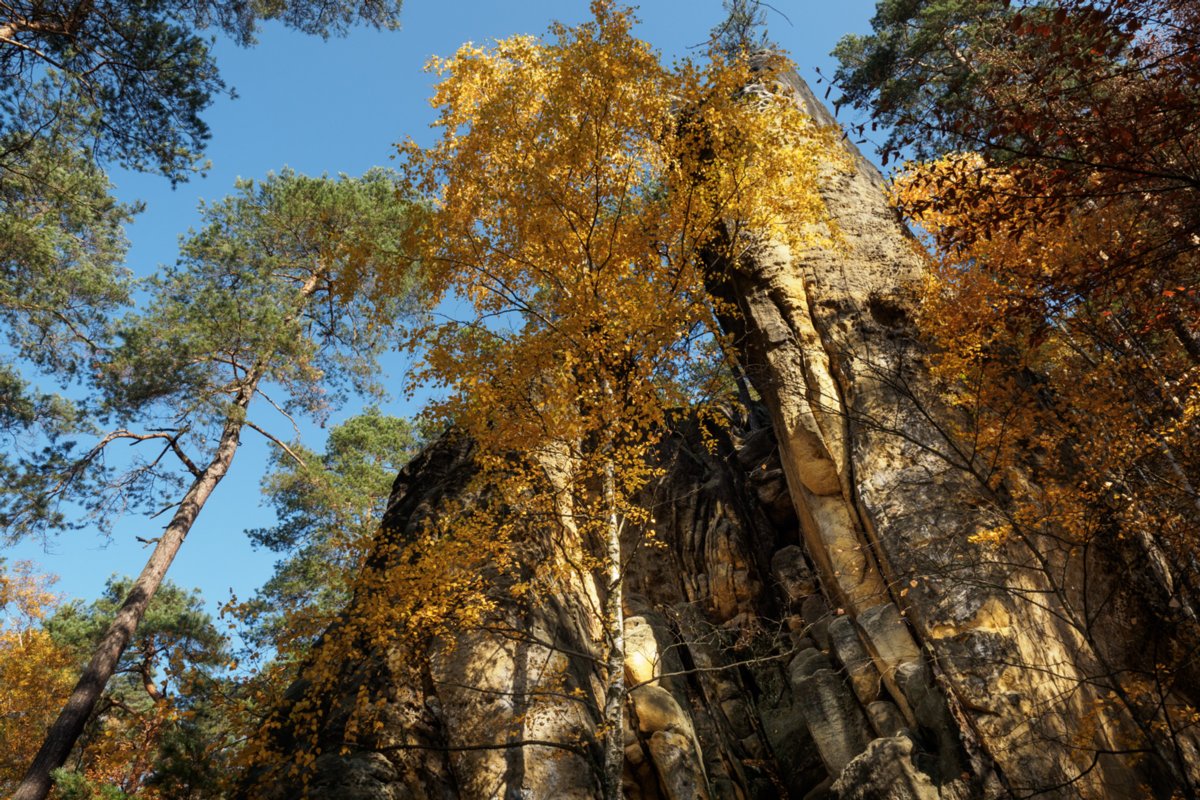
column 643, row 661
column 798, row 763
column 816, row 614
column 885, row 718
column 792, row 576
column 656, row 710
column 680, row 776
column 805, row 663
column 835, row 720
column 884, row 771
column 891, row 646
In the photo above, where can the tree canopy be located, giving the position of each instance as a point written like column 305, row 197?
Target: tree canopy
column 150, row 736
column 557, row 243
column 579, row 189
column 1056, row 186
column 252, row 310
column 329, row 507
column 153, row 717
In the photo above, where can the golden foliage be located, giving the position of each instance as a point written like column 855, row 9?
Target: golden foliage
column 121, row 746
column 1069, row 354
column 579, row 192
column 1065, row 327
column 581, row 186
column 35, row 673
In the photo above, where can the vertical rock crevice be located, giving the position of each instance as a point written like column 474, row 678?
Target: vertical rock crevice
column 985, row 639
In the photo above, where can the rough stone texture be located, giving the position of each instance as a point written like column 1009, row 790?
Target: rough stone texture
column 857, row 662
column 806, row 662
column 826, row 338
column 931, row 714
column 755, row 667
column 835, row 720
column 817, row 617
column 885, row 770
column 699, row 727
column 798, row 762
column 656, row 710
column 675, row 759
column 792, row 575
column 886, row 719
column 643, row 654
column 891, row 647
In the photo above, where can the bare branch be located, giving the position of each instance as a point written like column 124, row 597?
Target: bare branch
column 281, row 445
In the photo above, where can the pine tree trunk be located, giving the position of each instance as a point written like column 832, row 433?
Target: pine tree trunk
column 67, row 728
column 69, row 725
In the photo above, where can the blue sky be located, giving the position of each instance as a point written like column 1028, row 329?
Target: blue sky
column 339, row 106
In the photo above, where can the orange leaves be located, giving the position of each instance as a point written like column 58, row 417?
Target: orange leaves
column 577, row 188
column 35, row 673
column 548, row 225
column 1071, row 353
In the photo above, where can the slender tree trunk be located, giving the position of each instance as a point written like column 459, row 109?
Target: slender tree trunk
column 69, row 725
column 614, row 623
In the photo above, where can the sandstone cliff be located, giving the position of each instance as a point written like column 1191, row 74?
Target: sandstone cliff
column 817, row 621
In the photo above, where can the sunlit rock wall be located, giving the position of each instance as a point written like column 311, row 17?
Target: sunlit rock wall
column 810, row 618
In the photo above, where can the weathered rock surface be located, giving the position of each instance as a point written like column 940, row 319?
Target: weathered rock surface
column 817, row 622
column 855, row 660
column 835, row 720
column 885, row 769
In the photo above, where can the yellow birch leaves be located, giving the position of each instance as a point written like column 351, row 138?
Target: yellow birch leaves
column 578, row 193
column 580, row 186
column 1063, row 328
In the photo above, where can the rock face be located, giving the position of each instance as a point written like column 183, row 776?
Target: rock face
column 817, row 622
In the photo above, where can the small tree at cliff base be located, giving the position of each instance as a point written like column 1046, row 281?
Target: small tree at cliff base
column 152, row 734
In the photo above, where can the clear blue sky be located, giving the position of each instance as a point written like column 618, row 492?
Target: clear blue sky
column 339, row 106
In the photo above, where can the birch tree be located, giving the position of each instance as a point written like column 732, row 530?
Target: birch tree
column 578, row 184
